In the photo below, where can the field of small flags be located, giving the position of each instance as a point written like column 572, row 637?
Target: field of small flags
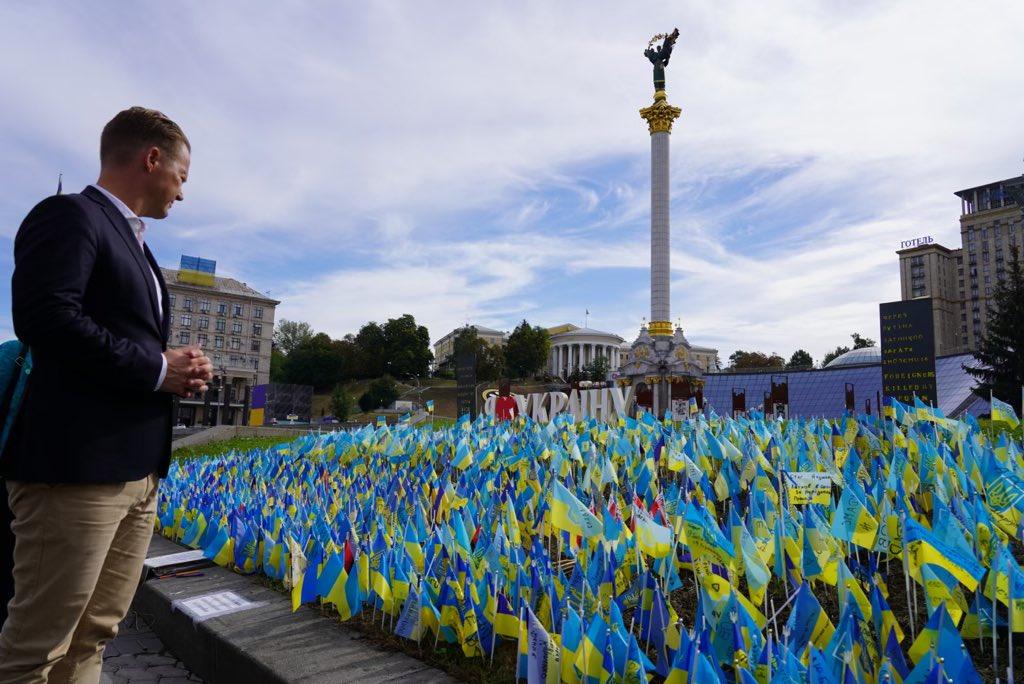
column 707, row 550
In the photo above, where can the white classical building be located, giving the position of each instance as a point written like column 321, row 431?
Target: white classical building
column 573, row 348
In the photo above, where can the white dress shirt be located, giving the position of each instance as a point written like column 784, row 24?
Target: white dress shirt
column 139, row 229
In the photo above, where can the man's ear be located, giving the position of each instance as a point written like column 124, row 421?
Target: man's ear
column 152, row 158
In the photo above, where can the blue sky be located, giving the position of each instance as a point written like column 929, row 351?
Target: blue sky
column 485, row 162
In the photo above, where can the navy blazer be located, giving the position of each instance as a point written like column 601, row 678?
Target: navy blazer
column 85, row 301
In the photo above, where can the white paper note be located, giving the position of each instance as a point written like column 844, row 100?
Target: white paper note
column 213, row 605
column 174, row 559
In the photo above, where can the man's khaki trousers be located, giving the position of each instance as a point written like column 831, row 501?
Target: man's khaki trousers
column 78, row 556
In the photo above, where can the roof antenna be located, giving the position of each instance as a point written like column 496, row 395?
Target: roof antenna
column 60, row 187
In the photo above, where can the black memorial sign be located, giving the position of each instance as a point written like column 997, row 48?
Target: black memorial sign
column 465, row 378
column 908, row 350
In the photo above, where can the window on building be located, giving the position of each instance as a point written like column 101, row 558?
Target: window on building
column 218, row 342
column 222, row 309
column 171, row 298
column 187, row 306
column 255, row 346
column 186, row 320
column 204, row 323
column 221, row 325
column 988, row 291
column 204, row 306
column 183, row 337
column 237, row 310
column 236, row 343
column 236, row 328
column 257, row 312
column 257, row 329
column 255, row 363
column 201, row 338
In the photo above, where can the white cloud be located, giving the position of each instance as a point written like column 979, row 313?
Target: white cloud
column 470, row 161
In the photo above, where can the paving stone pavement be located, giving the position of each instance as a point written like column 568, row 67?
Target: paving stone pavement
column 138, row 655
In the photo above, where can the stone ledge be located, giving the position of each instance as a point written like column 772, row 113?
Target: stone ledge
column 269, row 643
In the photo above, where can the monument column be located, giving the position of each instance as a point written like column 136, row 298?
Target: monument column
column 659, row 117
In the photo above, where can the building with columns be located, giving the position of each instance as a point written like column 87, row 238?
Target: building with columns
column 573, row 347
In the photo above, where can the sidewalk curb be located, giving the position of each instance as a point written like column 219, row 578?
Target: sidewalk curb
column 269, row 643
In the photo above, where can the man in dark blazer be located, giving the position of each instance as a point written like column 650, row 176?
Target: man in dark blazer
column 94, row 432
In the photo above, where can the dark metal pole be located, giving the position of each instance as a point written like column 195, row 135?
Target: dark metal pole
column 208, row 419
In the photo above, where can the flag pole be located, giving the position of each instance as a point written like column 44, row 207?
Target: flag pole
column 906, row 573
column 994, row 616
column 1009, row 606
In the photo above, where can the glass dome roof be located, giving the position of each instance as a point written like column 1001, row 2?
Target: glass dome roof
column 857, row 357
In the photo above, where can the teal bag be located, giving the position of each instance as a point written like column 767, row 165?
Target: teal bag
column 15, row 367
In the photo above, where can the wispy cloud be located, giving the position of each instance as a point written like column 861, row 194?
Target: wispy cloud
column 486, row 162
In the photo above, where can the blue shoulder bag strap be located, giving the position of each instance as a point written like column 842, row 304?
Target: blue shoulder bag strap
column 16, row 360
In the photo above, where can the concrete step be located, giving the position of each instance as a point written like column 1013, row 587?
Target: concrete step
column 268, row 643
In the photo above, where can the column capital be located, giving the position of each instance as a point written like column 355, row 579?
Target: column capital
column 660, row 328
column 660, row 115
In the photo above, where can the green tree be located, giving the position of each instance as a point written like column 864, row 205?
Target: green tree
column 526, row 351
column 835, row 353
column 490, row 358
column 1001, row 351
column 466, row 341
column 277, row 362
column 744, row 360
column 490, row 362
column 382, row 392
column 314, row 362
column 341, row 403
column 596, row 370
column 838, row 351
column 406, row 348
column 289, row 335
column 861, row 342
column 800, row 359
column 370, row 342
column 348, row 356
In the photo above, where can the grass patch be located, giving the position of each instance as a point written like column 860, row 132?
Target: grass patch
column 440, row 422
column 224, row 446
